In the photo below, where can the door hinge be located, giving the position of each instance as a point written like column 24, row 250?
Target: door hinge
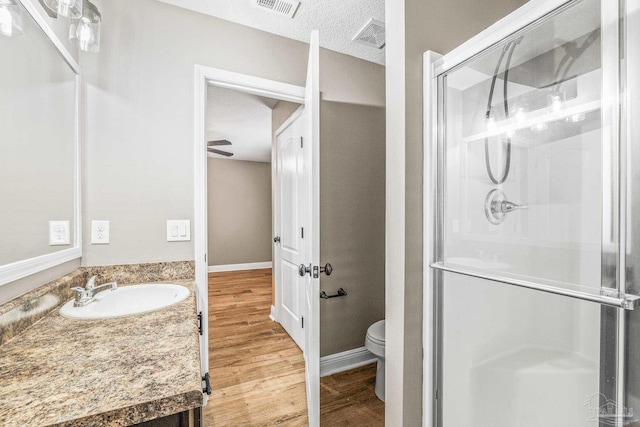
column 205, row 257
column 301, row 142
column 302, row 322
column 302, row 232
column 206, row 387
column 436, row 394
column 200, row 323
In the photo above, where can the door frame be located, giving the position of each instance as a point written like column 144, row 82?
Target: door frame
column 203, row 78
column 275, row 183
column 430, row 167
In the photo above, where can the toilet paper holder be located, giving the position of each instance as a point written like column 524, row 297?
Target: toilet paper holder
column 341, row 293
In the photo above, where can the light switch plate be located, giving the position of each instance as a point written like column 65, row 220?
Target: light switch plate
column 178, row 230
column 59, row 233
column 99, row 232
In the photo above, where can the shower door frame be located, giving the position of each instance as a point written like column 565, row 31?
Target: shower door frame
column 614, row 192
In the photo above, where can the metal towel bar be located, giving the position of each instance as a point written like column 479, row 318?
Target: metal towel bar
column 341, row 293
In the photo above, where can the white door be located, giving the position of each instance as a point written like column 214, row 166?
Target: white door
column 312, row 244
column 291, row 212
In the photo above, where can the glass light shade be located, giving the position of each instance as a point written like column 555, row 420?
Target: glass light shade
column 68, row 8
column 85, row 33
column 10, row 19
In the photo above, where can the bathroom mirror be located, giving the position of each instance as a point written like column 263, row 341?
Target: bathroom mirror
column 39, row 145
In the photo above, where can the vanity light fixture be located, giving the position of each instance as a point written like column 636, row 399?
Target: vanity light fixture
column 67, row 8
column 85, row 32
column 10, row 19
column 557, row 104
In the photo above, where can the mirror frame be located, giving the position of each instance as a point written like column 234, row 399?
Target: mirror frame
column 19, row 269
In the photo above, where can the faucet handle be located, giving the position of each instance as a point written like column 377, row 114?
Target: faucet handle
column 80, row 292
column 91, row 283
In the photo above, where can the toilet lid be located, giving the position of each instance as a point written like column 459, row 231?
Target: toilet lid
column 376, row 332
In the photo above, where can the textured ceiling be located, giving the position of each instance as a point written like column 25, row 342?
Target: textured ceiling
column 243, row 119
column 337, row 20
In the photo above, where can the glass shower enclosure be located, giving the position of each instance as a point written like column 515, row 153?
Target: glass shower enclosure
column 529, row 232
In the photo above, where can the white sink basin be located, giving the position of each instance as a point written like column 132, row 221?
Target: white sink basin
column 128, row 300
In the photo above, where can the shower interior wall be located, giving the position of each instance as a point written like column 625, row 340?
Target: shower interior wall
column 508, row 353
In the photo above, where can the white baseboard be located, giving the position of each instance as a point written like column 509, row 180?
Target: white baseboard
column 272, row 316
column 346, row 360
column 238, row 267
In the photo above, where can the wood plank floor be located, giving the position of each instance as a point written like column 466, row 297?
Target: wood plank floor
column 349, row 399
column 257, row 371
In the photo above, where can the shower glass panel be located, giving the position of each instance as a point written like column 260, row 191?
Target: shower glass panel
column 526, row 365
column 522, row 146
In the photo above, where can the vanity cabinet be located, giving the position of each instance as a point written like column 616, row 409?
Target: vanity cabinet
column 188, row 418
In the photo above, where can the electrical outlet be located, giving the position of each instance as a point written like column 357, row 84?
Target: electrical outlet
column 59, row 233
column 99, row 232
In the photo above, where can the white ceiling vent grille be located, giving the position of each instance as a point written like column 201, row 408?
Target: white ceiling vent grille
column 372, row 34
column 281, row 7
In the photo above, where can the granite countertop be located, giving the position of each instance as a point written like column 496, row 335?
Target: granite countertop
column 110, row 372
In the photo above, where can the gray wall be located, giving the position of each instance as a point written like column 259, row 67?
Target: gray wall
column 352, row 209
column 239, row 210
column 281, row 112
column 138, row 157
column 413, row 27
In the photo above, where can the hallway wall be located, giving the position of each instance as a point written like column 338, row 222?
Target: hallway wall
column 239, row 211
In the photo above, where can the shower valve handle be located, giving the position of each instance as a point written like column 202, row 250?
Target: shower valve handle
column 496, row 206
column 506, row 206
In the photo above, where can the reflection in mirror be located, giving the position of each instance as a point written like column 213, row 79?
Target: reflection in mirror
column 525, row 154
column 10, row 19
column 38, row 131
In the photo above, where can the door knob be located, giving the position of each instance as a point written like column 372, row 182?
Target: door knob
column 276, row 239
column 303, row 269
column 327, row 269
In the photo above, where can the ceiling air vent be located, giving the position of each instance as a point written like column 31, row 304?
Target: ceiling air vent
column 281, row 7
column 372, row 34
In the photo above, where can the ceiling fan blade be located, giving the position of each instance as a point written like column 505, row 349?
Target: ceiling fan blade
column 222, row 153
column 218, row 143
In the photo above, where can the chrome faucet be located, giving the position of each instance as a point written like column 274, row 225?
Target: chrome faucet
column 86, row 295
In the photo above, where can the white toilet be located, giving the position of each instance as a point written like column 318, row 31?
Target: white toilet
column 375, row 344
